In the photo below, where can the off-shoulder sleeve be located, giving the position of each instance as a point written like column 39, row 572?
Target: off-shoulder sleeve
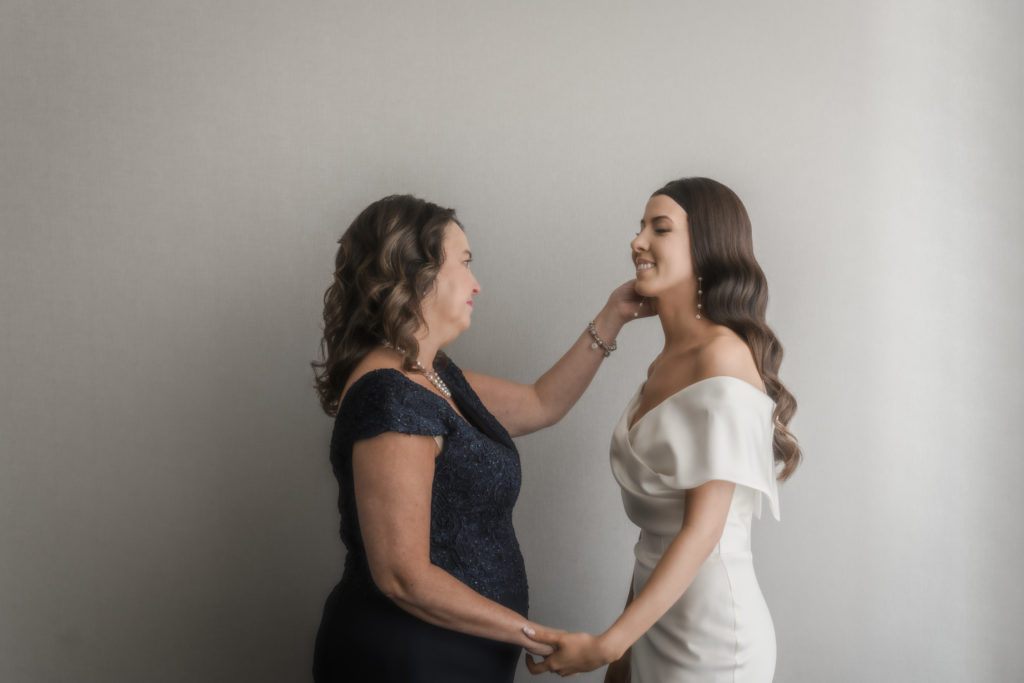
column 386, row 401
column 722, row 430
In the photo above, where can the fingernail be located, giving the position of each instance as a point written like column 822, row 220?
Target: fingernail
column 529, row 631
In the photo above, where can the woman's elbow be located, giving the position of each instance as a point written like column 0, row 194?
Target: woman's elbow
column 525, row 423
column 544, row 413
column 546, row 416
column 556, row 416
column 394, row 582
column 706, row 536
column 714, row 536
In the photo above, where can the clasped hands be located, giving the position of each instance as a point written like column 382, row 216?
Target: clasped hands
column 574, row 652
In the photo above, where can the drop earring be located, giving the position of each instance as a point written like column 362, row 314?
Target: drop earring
column 700, row 292
column 636, row 313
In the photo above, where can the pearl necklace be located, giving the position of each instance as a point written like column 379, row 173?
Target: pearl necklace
column 434, row 378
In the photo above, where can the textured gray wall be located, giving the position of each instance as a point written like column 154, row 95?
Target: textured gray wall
column 174, row 175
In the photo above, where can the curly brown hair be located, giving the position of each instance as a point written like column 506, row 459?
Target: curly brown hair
column 735, row 291
column 387, row 262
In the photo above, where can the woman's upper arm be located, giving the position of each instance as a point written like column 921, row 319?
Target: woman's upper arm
column 393, row 477
column 516, row 406
column 707, row 507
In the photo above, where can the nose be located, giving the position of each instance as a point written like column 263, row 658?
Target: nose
column 638, row 245
column 476, row 285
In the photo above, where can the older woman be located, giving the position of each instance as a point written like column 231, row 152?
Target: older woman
column 697, row 453
column 434, row 587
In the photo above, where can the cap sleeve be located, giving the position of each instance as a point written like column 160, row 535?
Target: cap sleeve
column 386, row 401
column 720, row 431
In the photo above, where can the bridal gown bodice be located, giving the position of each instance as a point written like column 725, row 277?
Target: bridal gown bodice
column 719, row 428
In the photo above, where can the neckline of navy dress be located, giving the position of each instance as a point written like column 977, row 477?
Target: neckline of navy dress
column 470, row 416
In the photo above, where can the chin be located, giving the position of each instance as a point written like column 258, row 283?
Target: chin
column 643, row 289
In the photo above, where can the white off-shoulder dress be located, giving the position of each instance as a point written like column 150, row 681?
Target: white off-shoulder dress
column 718, row 428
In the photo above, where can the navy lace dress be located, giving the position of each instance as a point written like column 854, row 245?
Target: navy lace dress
column 363, row 635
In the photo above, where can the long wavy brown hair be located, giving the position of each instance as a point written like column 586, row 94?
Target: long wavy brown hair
column 735, row 291
column 386, row 263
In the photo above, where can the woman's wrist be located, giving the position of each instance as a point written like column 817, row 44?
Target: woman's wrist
column 612, row 644
column 608, row 324
column 526, row 633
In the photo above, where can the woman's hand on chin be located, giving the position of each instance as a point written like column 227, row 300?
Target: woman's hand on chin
column 628, row 305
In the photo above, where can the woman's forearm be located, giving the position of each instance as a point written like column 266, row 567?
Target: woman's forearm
column 559, row 388
column 525, row 408
column 705, row 511
column 667, row 583
column 437, row 597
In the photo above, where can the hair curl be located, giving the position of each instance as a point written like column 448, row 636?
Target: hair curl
column 735, row 291
column 386, row 263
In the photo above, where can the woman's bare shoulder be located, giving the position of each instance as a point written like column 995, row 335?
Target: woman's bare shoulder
column 726, row 354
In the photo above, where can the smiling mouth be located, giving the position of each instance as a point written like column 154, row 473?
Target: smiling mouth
column 644, row 266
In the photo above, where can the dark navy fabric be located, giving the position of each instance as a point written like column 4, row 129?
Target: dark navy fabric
column 364, row 635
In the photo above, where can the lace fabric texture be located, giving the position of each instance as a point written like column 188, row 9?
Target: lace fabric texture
column 476, row 483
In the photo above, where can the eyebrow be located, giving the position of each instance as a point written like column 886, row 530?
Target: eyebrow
column 656, row 219
column 468, row 253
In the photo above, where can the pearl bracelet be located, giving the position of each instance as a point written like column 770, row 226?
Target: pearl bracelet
column 598, row 342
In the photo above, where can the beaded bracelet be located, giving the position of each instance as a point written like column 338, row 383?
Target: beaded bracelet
column 598, row 342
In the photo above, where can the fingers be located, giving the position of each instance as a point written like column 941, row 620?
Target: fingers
column 539, row 649
column 537, row 667
column 546, row 665
column 628, row 289
column 560, row 663
column 552, row 664
column 544, row 635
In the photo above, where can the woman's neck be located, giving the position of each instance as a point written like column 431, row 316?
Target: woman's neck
column 679, row 322
column 429, row 347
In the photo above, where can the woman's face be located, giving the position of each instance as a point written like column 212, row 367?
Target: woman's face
column 449, row 304
column 661, row 250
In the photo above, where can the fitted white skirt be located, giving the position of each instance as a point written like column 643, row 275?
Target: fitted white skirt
column 720, row 630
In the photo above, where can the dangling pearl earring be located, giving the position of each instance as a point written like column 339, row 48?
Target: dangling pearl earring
column 700, row 291
column 636, row 313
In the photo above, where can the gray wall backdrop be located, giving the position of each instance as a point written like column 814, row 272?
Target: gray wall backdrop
column 174, row 175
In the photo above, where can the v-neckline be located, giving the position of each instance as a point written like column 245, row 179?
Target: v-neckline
column 458, row 409
column 462, row 411
column 633, row 421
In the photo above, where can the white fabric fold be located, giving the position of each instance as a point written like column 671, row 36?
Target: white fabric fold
column 719, row 428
